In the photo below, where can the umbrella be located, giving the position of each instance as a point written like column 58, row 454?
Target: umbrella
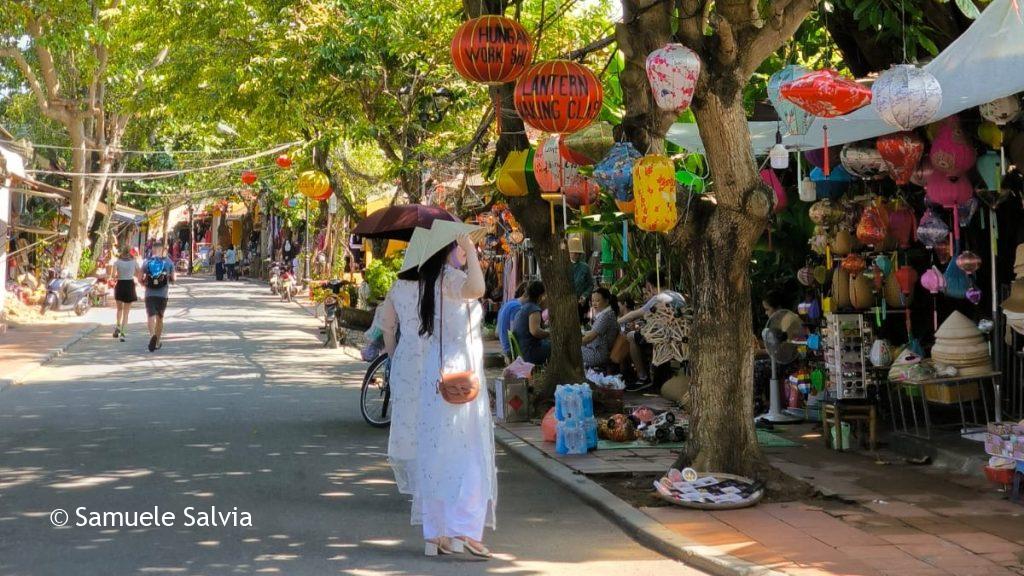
column 398, row 222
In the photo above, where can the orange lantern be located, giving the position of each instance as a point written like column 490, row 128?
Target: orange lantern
column 491, row 49
column 248, row 177
column 313, row 184
column 284, row 161
column 654, row 191
column 558, row 96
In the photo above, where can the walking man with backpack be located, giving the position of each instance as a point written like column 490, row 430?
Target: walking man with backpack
column 158, row 275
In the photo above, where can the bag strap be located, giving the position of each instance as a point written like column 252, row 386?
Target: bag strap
column 440, row 329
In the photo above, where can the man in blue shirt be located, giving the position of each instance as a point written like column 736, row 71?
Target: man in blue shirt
column 157, row 275
column 506, row 314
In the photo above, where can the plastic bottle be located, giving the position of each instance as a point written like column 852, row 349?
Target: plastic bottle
column 560, row 438
column 591, row 433
column 560, row 402
column 588, row 401
column 577, row 438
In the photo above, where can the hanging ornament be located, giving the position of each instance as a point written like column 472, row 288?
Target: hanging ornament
column 826, row 94
column 952, row 153
column 956, row 281
column 922, row 173
column 991, row 134
column 832, row 186
column 283, row 161
column 968, row 261
column 491, row 49
column 973, row 295
column 862, row 161
column 797, row 120
column 933, row 281
column 805, row 276
column 672, row 72
column 589, row 145
column 906, row 96
column 966, row 211
column 313, row 184
column 778, row 155
column 558, row 96
column 931, row 230
column 778, row 192
column 808, row 190
column 990, row 166
column 853, row 264
column 947, row 192
column 901, row 223
column 555, row 174
column 654, row 186
column 615, row 172
column 1001, row 111
column 873, row 228
column 884, row 264
column 826, row 213
column 907, row 278
column 248, row 177
column 902, row 152
column 516, row 176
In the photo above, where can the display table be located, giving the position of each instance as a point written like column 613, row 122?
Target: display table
column 951, row 390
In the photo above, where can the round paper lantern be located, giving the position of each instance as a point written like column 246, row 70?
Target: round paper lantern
column 284, row 161
column 948, row 192
column 826, row 213
column 615, row 172
column 933, row 280
column 863, row 161
column 907, row 278
column 826, row 94
column 797, row 120
column 902, row 152
column 901, row 224
column 672, row 72
column 832, row 186
column 491, row 49
column 805, row 276
column 248, row 177
column 931, row 230
column 906, row 96
column 313, row 184
column 1001, row 111
column 558, row 96
column 990, row 134
column 968, row 261
column 654, row 187
column 952, row 153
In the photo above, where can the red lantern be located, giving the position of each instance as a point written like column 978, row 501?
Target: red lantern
column 571, row 157
column 284, row 161
column 902, row 223
column 558, row 96
column 902, row 152
column 952, row 153
column 853, row 264
column 248, row 177
column 325, row 196
column 491, row 49
column 907, row 279
column 826, row 94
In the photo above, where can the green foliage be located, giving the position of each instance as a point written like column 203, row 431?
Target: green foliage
column 87, row 265
column 381, row 274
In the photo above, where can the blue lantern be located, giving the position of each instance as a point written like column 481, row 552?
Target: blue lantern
column 615, row 172
column 832, row 186
column 797, row 120
column 989, row 166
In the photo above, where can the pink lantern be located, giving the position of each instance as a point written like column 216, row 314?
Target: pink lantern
column 826, row 94
column 902, row 223
column 773, row 181
column 952, row 153
column 968, row 261
column 902, row 153
column 672, row 72
column 933, row 280
column 948, row 192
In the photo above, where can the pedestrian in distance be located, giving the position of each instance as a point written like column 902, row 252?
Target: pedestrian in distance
column 231, row 261
column 158, row 275
column 127, row 273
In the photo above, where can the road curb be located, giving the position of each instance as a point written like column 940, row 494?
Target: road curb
column 50, row 354
column 639, row 526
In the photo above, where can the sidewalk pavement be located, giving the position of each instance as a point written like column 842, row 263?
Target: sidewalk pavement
column 878, row 515
column 26, row 347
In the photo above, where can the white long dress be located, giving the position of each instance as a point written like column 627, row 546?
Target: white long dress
column 457, row 484
column 404, row 380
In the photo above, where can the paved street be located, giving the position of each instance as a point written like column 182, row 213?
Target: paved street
column 242, row 409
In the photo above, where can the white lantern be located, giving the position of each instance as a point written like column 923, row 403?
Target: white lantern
column 672, row 72
column 1001, row 111
column 807, row 190
column 778, row 155
column 906, row 96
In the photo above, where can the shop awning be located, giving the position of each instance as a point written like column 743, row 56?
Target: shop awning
column 982, row 65
column 121, row 215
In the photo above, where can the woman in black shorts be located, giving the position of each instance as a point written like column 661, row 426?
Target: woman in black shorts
column 126, row 271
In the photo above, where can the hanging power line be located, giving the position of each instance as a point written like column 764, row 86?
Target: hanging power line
column 138, row 152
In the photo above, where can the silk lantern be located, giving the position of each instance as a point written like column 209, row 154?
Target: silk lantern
column 951, row 154
column 853, row 264
column 558, row 96
column 931, row 230
column 901, row 223
column 863, row 161
column 555, row 174
column 615, row 172
column 779, row 193
column 283, row 161
column 654, row 187
column 873, row 228
column 902, row 152
column 906, row 96
column 968, row 261
column 491, row 49
column 248, row 177
column 589, row 145
column 991, row 134
column 825, row 93
column 989, row 166
column 797, row 120
column 672, row 72
column 948, row 192
column 516, row 177
column 313, row 184
column 1001, row 111
column 825, row 213
column 832, row 186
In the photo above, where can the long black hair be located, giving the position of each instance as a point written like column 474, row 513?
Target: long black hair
column 430, row 271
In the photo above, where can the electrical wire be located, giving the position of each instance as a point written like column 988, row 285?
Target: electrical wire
column 137, row 152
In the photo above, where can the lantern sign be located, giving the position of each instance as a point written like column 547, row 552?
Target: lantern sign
column 284, row 161
column 654, row 184
column 863, row 161
column 952, row 153
column 672, row 72
column 516, row 175
column 558, row 96
column 615, row 172
column 826, row 94
column 796, row 119
column 1001, row 111
column 248, row 177
column 902, row 152
column 906, row 96
column 313, row 184
column 491, row 49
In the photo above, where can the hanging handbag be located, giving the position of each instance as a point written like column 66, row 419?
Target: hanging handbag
column 456, row 387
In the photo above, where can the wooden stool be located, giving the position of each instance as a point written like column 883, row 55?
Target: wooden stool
column 834, row 413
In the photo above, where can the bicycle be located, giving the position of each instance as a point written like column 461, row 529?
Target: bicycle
column 375, row 395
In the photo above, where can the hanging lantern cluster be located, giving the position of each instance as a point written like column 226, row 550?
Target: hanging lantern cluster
column 672, row 72
column 491, row 50
column 558, row 96
column 654, row 186
column 906, row 96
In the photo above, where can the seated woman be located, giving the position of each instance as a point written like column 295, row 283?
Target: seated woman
column 597, row 343
column 534, row 345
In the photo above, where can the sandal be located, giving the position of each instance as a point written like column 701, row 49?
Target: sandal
column 475, row 548
column 440, row 546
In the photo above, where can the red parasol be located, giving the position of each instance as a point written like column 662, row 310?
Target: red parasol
column 398, row 222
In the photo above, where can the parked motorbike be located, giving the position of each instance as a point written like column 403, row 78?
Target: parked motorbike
column 332, row 314
column 289, row 286
column 275, row 277
column 66, row 293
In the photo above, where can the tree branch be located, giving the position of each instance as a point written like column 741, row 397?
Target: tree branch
column 786, row 17
column 728, row 50
column 46, row 63
column 692, row 15
column 33, row 82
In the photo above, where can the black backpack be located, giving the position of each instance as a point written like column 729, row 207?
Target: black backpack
column 156, row 279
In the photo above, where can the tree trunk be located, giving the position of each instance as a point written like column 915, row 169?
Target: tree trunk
column 643, row 30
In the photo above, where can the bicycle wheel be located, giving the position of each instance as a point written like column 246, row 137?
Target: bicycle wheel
column 375, row 396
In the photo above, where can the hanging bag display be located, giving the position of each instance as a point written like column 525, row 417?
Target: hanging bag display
column 456, row 387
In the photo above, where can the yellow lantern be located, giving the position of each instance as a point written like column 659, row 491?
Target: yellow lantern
column 654, row 191
column 516, row 175
column 313, row 184
column 991, row 134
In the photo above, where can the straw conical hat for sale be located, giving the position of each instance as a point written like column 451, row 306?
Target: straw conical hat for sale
column 957, row 326
column 1015, row 303
column 975, row 350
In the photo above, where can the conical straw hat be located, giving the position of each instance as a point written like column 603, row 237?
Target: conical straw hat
column 957, row 326
column 443, row 233
column 1015, row 303
column 413, row 250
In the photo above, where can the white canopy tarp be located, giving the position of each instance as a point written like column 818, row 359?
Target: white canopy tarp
column 985, row 63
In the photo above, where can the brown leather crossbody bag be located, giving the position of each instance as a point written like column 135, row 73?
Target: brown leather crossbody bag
column 456, row 387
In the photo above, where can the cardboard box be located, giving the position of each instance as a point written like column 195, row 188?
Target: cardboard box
column 511, row 399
